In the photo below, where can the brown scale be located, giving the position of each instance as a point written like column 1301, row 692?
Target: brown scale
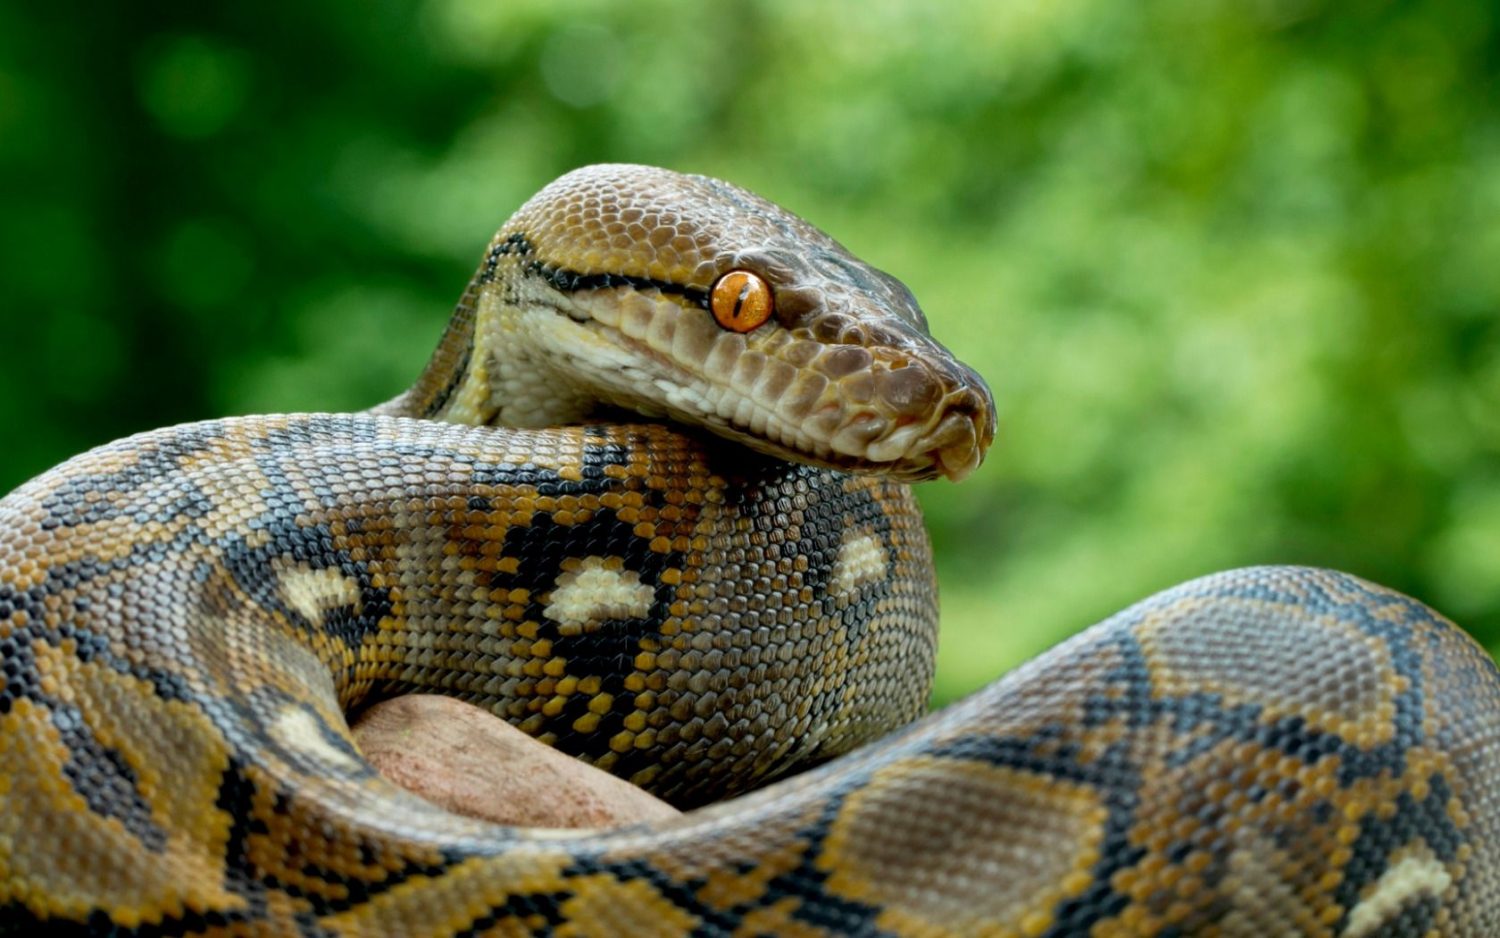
column 187, row 616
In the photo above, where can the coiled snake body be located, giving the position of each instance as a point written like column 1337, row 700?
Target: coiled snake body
column 187, row 615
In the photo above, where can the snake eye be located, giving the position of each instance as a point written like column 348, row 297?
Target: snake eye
column 741, row 301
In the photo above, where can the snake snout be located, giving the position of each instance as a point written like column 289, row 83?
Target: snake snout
column 951, row 442
column 957, row 442
column 934, row 420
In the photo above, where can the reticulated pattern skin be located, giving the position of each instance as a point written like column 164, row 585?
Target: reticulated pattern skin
column 187, row 616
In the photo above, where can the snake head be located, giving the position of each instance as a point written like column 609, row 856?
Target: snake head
column 624, row 286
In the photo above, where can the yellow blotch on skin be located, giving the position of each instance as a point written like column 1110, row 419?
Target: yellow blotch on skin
column 299, row 730
column 1415, row 875
column 861, row 560
column 313, row 592
column 594, row 589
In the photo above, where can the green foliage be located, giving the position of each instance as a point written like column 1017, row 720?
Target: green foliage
column 1232, row 268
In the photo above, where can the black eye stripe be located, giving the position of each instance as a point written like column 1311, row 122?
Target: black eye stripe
column 571, row 281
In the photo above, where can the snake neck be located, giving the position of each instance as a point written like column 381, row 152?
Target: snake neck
column 483, row 372
column 446, row 370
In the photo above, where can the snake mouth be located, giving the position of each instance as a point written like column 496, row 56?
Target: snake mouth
column 950, row 444
column 948, row 451
column 955, row 442
column 882, row 409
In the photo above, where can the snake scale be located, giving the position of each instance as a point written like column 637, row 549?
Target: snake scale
column 648, row 502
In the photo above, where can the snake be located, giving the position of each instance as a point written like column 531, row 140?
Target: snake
column 650, row 501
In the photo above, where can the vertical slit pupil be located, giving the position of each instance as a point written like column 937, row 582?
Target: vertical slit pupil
column 739, row 301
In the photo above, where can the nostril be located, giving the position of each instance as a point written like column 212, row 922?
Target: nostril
column 984, row 418
column 951, row 449
column 974, row 399
column 981, row 416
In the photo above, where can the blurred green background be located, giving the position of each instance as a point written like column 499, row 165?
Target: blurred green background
column 1232, row 267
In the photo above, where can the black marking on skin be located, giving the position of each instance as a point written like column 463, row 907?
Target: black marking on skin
column 571, row 281
column 1426, row 820
column 308, row 926
column 1291, row 735
column 285, row 538
column 236, row 799
column 544, row 905
column 17, row 919
column 1415, row 918
column 312, row 546
column 760, row 490
column 63, row 578
column 22, row 679
column 515, row 245
column 814, row 528
column 316, row 430
column 806, row 883
column 28, row 601
column 242, row 877
column 607, row 651
column 91, row 497
column 455, row 381
column 101, row 776
column 1112, row 775
column 1127, row 696
column 549, row 482
column 68, row 581
column 359, row 890
column 19, row 678
column 682, row 893
column 829, row 512
column 270, row 705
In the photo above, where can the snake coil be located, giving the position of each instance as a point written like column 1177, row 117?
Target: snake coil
column 647, row 502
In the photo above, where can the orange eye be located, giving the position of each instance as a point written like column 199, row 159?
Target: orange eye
column 741, row 301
